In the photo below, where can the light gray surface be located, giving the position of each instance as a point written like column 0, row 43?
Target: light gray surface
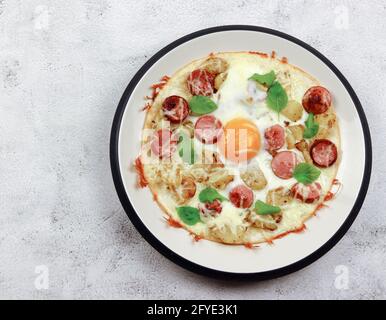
column 63, row 68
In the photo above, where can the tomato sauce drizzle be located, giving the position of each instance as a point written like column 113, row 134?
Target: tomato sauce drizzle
column 196, row 237
column 330, row 195
column 279, row 236
column 173, row 223
column 141, row 181
column 146, row 107
column 248, row 245
column 261, row 54
column 320, row 206
column 156, row 88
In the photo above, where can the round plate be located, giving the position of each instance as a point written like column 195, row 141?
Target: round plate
column 288, row 254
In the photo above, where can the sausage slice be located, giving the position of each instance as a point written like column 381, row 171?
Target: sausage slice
column 208, row 129
column 323, row 153
column 163, row 143
column 316, row 100
column 284, row 163
column 175, row 109
column 241, row 197
column 274, row 137
column 307, row 193
column 201, row 82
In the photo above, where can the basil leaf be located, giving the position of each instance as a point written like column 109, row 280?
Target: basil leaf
column 209, row 195
column 201, row 105
column 306, row 173
column 277, row 98
column 186, row 148
column 312, row 127
column 189, row 215
column 264, row 208
column 264, row 79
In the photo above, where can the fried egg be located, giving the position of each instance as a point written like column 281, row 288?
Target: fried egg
column 240, row 153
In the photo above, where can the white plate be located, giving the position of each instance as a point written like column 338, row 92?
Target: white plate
column 289, row 253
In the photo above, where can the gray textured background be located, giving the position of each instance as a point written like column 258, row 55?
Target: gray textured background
column 63, row 68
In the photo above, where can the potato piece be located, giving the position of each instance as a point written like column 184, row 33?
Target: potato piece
column 219, row 80
column 254, row 178
column 227, row 232
column 182, row 190
column 302, row 146
column 267, row 222
column 220, row 179
column 294, row 134
column 210, row 160
column 293, row 110
column 297, row 131
column 290, row 141
column 210, row 170
column 215, row 65
column 185, row 192
column 188, row 188
column 279, row 196
column 326, row 122
column 264, row 223
column 199, row 173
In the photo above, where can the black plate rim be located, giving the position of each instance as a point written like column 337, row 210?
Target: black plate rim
column 185, row 263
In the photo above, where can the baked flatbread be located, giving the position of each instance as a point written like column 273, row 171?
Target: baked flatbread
column 240, row 147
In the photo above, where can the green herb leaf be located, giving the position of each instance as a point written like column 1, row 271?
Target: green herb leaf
column 264, row 79
column 277, row 98
column 189, row 215
column 312, row 127
column 186, row 148
column 202, row 105
column 209, row 195
column 306, row 173
column 263, row 208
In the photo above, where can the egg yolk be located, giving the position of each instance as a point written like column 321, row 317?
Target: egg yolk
column 240, row 141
